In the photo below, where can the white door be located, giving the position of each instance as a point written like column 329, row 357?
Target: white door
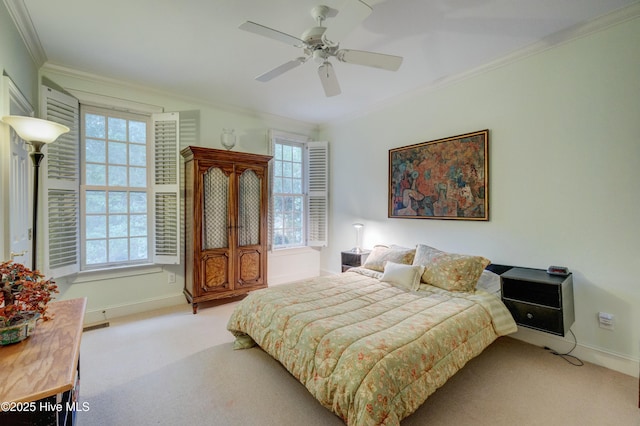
column 18, row 184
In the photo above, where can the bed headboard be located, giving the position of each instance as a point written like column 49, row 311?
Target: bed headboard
column 498, row 269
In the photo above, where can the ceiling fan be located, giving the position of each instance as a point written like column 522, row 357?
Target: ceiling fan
column 319, row 43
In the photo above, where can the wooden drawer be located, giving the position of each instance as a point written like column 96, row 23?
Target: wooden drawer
column 538, row 317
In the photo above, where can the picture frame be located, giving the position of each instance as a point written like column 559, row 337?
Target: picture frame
column 441, row 179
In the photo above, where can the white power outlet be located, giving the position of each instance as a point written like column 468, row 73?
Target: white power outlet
column 171, row 277
column 606, row 320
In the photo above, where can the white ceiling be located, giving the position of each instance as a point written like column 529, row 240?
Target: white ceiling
column 194, row 47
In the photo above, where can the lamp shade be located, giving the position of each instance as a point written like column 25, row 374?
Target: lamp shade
column 35, row 129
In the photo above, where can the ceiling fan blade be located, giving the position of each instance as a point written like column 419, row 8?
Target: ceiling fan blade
column 252, row 27
column 350, row 16
column 329, row 79
column 370, row 59
column 270, row 75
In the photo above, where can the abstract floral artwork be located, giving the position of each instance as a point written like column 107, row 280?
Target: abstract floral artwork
column 441, row 179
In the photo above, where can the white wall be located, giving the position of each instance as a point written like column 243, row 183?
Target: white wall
column 564, row 170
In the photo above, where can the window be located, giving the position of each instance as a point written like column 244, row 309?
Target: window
column 299, row 177
column 114, row 190
column 288, row 195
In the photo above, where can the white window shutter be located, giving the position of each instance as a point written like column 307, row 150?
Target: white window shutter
column 272, row 153
column 317, row 193
column 166, row 188
column 189, row 135
column 61, row 186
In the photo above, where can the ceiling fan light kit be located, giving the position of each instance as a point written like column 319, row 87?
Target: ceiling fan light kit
column 318, row 43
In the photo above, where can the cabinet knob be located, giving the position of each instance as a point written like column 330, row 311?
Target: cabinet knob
column 529, row 315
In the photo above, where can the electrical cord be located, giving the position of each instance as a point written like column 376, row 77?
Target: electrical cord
column 571, row 359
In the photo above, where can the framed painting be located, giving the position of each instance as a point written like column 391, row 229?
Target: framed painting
column 442, row 179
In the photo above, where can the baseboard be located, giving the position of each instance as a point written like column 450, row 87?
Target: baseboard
column 95, row 326
column 597, row 356
column 101, row 315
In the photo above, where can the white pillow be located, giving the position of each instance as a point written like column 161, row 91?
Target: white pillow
column 489, row 282
column 403, row 276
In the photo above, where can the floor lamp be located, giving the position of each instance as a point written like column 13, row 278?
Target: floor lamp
column 35, row 132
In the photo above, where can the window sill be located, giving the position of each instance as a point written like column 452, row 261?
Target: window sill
column 113, row 273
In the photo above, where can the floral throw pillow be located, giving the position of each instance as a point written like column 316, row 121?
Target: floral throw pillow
column 382, row 254
column 450, row 271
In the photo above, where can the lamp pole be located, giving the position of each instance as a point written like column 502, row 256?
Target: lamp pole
column 36, row 157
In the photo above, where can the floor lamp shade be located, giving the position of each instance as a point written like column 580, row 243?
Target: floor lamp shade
column 35, row 129
column 36, row 132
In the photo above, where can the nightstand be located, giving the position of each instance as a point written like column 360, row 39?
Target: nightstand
column 351, row 259
column 539, row 300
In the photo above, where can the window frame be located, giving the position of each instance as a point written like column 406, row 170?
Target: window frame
column 84, row 187
column 288, row 141
column 314, row 189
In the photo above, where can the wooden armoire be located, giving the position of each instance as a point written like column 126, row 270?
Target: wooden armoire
column 226, row 207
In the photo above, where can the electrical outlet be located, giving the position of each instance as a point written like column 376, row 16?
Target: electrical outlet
column 606, row 320
column 171, row 277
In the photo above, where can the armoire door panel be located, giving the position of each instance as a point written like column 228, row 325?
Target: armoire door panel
column 249, row 208
column 250, row 267
column 215, row 229
column 215, row 272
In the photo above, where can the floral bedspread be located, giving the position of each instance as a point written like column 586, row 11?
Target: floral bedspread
column 370, row 352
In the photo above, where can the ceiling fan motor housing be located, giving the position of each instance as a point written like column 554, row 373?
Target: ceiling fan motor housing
column 315, row 46
column 313, row 36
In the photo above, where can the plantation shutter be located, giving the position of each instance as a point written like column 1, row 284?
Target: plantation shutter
column 166, row 187
column 317, row 193
column 61, row 187
column 189, row 135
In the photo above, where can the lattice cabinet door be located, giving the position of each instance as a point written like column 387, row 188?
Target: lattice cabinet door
column 216, row 225
column 251, row 256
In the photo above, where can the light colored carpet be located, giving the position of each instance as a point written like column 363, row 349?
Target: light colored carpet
column 170, row 367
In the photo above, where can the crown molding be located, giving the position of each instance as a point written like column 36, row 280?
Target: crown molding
column 87, row 76
column 22, row 20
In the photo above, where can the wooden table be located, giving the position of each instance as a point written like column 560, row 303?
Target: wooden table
column 44, row 366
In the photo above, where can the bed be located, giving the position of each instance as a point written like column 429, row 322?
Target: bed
column 372, row 343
